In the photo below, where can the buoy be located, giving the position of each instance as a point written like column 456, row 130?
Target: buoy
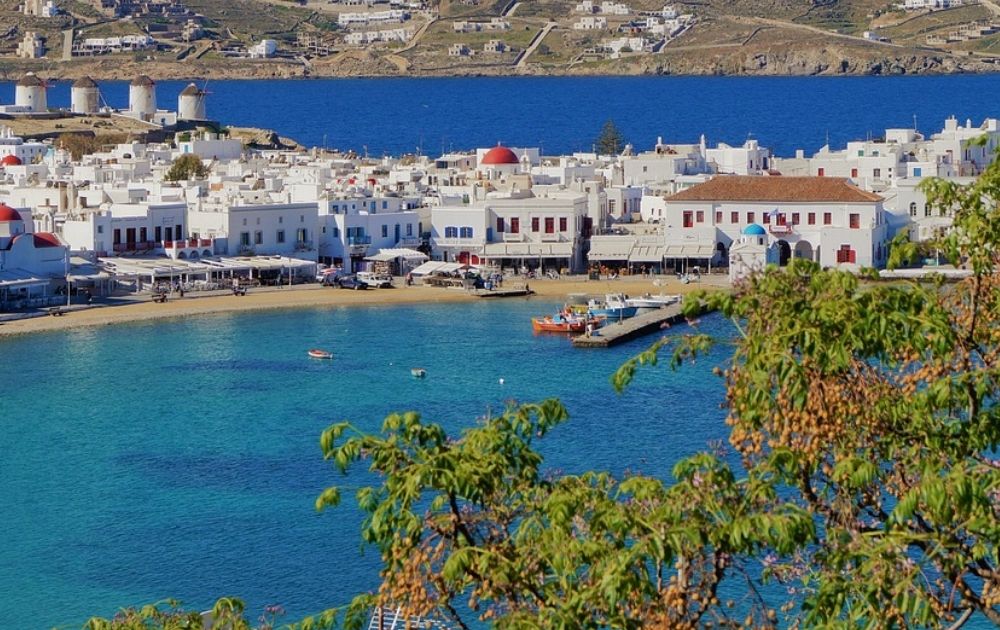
column 501, row 381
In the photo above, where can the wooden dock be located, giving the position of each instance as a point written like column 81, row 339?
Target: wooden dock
column 643, row 324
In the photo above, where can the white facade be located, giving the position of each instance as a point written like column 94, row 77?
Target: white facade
column 127, row 228
column 264, row 49
column 591, row 23
column 830, row 222
column 31, row 47
column 287, row 229
column 27, row 152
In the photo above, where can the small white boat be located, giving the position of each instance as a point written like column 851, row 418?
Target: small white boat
column 613, row 308
column 418, row 372
column 653, row 301
column 320, row 354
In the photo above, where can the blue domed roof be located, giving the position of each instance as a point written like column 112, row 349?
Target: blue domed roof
column 754, row 230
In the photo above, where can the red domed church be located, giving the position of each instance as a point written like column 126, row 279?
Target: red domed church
column 31, row 263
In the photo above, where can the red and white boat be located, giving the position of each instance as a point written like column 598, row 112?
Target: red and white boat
column 320, row 354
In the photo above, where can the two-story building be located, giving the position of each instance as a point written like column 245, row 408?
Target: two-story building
column 825, row 219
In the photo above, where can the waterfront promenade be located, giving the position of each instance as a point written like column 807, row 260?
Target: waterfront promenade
column 141, row 308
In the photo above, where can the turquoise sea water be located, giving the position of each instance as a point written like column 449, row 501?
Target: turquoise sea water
column 181, row 458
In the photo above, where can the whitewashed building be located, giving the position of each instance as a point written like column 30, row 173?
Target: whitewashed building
column 825, row 219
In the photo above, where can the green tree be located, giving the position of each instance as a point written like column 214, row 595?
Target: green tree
column 187, row 166
column 865, row 417
column 610, row 141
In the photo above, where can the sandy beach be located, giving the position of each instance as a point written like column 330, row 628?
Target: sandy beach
column 316, row 296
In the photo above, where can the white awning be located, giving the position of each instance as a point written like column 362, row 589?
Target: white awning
column 647, row 254
column 692, row 250
column 611, row 247
column 385, row 255
column 528, row 250
column 435, row 266
column 19, row 278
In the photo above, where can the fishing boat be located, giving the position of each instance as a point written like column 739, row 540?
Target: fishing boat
column 613, row 307
column 418, row 372
column 564, row 322
column 652, row 301
column 320, row 354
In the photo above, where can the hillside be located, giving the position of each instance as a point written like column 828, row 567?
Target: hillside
column 209, row 38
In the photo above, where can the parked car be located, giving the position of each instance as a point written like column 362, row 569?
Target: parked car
column 377, row 280
column 350, row 282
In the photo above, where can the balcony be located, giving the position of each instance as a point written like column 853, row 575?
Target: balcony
column 782, row 230
column 131, row 248
column 409, row 241
column 303, row 246
column 513, row 237
column 459, row 242
column 359, row 240
column 552, row 237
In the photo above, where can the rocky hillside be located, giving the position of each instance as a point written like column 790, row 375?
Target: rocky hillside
column 210, row 38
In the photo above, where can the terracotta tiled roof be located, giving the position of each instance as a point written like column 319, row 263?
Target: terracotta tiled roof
column 774, row 189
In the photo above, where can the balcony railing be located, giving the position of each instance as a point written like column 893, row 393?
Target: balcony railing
column 780, row 229
column 513, row 237
column 137, row 246
column 303, row 246
column 551, row 237
column 359, row 240
column 459, row 242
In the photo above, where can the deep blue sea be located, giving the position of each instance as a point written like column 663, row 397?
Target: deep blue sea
column 564, row 114
column 181, row 458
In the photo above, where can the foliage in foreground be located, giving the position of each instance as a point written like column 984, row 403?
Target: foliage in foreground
column 185, row 167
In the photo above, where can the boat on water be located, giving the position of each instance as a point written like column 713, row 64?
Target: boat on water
column 613, row 307
column 564, row 322
column 320, row 354
column 418, row 372
column 652, row 301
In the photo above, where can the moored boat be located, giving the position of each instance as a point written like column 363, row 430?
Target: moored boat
column 320, row 354
column 418, row 372
column 564, row 322
column 652, row 301
column 613, row 307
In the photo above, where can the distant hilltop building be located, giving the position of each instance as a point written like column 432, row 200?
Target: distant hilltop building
column 31, row 47
column 917, row 5
column 265, row 49
column 85, row 96
column 40, row 8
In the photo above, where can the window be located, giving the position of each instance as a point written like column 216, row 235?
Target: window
column 827, row 218
column 301, row 235
column 550, row 225
column 718, row 216
column 451, row 232
column 913, row 208
column 100, row 229
column 611, row 206
column 750, row 217
column 534, row 224
column 688, row 219
column 699, row 216
column 795, row 218
column 178, row 233
column 245, row 239
column 820, row 172
column 280, row 236
column 117, row 236
column 927, row 210
column 385, row 231
column 244, row 221
column 767, row 218
column 170, row 234
column 861, row 153
column 336, row 232
column 855, row 220
column 385, row 205
column 918, row 171
column 811, row 218
column 499, row 225
column 143, row 233
column 876, row 173
column 409, row 229
column 157, row 233
column 258, row 238
column 302, row 218
column 515, row 225
column 282, row 219
column 846, row 255
column 466, row 232
column 854, row 172
column 734, row 217
column 562, row 224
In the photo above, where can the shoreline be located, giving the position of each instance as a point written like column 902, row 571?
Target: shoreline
column 316, row 296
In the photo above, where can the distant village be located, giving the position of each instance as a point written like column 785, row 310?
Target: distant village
column 120, row 218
